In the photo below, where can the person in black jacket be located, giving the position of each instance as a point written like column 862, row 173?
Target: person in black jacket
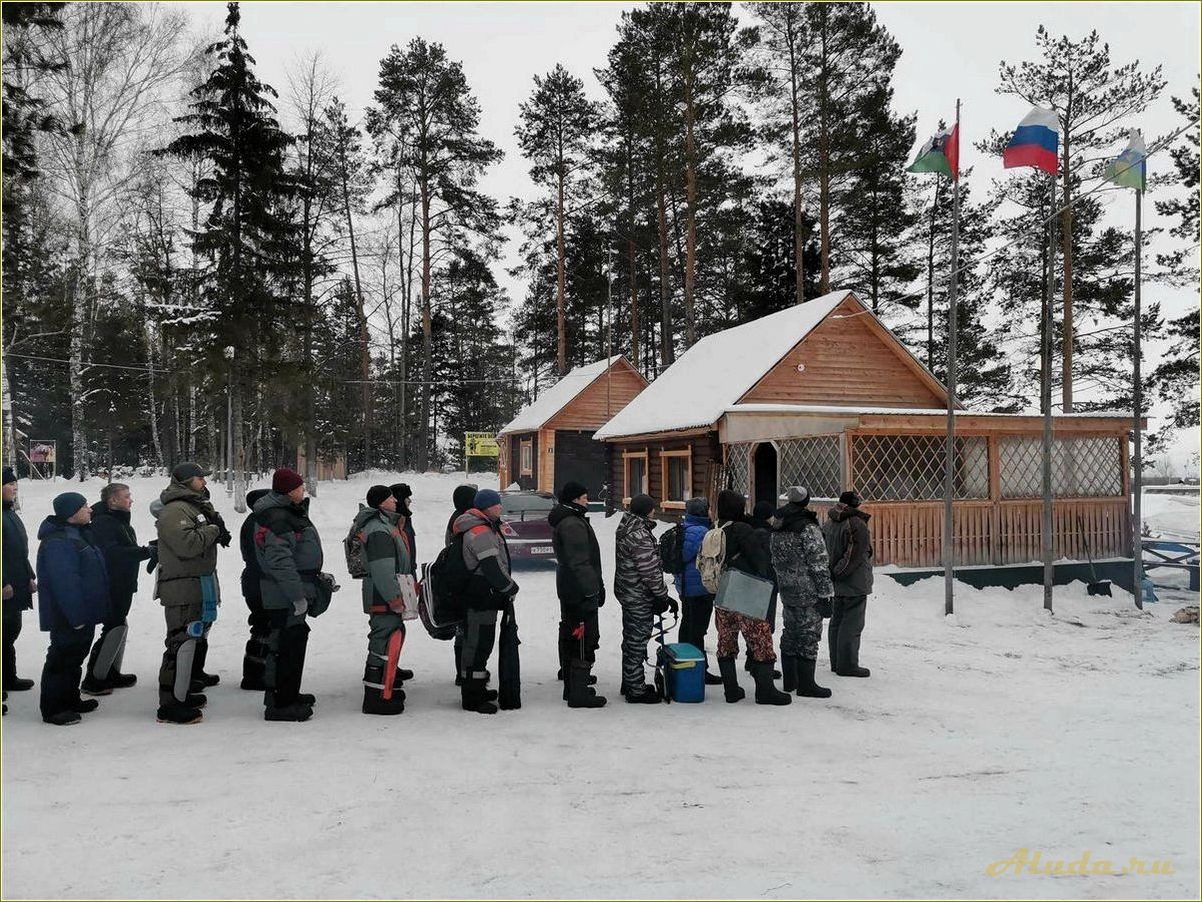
column 123, row 556
column 761, row 522
column 254, row 659
column 581, row 592
column 463, row 497
column 745, row 551
column 19, row 584
column 850, row 549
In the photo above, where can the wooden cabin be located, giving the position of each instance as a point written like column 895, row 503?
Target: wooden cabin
column 824, row 395
column 550, row 441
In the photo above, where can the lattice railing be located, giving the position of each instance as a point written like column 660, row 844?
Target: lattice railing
column 813, row 462
column 738, row 468
column 912, row 467
column 1081, row 467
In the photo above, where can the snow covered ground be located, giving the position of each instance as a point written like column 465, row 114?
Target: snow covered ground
column 997, row 730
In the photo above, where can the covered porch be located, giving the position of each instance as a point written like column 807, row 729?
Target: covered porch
column 896, row 460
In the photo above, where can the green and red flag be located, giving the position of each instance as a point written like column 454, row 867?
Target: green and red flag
column 940, row 153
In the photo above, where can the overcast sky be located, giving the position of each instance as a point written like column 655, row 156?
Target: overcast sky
column 949, row 51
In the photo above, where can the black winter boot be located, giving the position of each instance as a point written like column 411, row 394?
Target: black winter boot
column 648, row 695
column 86, row 705
column 254, row 664
column 62, row 718
column 294, row 713
column 179, row 714
column 200, row 679
column 806, row 687
column 766, row 692
column 93, row 686
column 580, row 693
column 788, row 666
column 375, row 703
column 730, row 680
column 475, row 697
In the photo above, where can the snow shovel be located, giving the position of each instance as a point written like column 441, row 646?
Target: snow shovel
column 1096, row 586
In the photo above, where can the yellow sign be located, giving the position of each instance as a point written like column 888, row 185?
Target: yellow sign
column 480, row 444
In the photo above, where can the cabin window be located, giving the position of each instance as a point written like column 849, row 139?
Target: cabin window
column 813, row 461
column 527, row 458
column 1081, row 467
column 911, row 467
column 677, row 477
column 635, row 466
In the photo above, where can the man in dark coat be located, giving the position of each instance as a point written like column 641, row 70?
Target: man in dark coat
column 849, row 547
column 581, row 592
column 288, row 549
column 745, row 552
column 463, row 497
column 803, row 575
column 19, row 584
column 254, row 659
column 489, row 589
column 761, row 521
column 640, row 590
column 73, row 598
column 113, row 534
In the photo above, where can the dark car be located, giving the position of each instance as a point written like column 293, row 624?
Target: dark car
column 525, row 527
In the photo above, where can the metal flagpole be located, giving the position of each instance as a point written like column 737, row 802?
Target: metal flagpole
column 950, row 451
column 1137, row 482
column 1046, row 400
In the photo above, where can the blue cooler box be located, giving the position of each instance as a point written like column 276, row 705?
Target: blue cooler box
column 686, row 673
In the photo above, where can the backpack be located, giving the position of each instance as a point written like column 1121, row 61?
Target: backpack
column 444, row 583
column 671, row 550
column 352, row 545
column 711, row 558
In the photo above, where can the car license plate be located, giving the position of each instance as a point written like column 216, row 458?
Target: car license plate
column 542, row 549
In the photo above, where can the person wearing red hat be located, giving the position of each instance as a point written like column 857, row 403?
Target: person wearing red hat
column 288, row 550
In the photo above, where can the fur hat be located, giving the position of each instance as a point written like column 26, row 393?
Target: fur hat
column 851, row 498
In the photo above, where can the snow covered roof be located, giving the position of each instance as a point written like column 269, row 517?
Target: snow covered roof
column 719, row 369
column 557, row 397
column 915, row 411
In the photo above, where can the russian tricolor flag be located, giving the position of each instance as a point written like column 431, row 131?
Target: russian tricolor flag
column 1035, row 142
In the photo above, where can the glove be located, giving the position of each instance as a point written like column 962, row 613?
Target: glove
column 224, row 538
column 662, row 605
column 300, row 606
column 511, row 590
column 153, row 560
column 826, row 607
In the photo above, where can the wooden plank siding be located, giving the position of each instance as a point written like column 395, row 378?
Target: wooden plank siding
column 846, row 361
column 706, row 459
column 597, row 405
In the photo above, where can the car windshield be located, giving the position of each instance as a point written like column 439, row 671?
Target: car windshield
column 526, row 504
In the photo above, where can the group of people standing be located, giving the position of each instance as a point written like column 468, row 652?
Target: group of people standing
column 89, row 560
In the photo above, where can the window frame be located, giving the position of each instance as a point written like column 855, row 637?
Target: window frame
column 665, row 457
column 627, row 457
column 525, row 457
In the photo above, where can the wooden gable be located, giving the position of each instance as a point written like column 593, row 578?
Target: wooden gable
column 848, row 359
column 602, row 399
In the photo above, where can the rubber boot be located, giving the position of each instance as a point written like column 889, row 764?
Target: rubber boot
column 806, row 687
column 730, row 680
column 580, row 693
column 200, row 679
column 375, row 703
column 788, row 666
column 766, row 692
column 254, row 663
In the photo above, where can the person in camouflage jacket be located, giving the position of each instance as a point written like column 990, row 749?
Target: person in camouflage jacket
column 639, row 587
column 804, row 581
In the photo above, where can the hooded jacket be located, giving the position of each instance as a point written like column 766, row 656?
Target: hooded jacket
column 688, row 584
column 744, row 549
column 638, row 574
column 17, row 569
column 386, row 554
column 188, row 529
column 486, row 557
column 288, row 550
column 799, row 557
column 849, row 547
column 115, row 537
column 73, row 582
column 251, row 574
column 578, row 557
column 462, row 498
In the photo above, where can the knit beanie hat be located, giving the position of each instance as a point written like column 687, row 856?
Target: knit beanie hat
column 642, row 505
column 850, row 498
column 698, row 507
column 799, row 494
column 285, row 480
column 571, row 491
column 377, row 494
column 68, row 504
column 486, row 498
column 9, row 475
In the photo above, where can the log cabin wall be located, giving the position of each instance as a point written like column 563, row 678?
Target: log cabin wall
column 705, row 455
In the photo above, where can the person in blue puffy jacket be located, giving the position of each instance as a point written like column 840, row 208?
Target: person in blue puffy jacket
column 73, row 596
column 697, row 605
